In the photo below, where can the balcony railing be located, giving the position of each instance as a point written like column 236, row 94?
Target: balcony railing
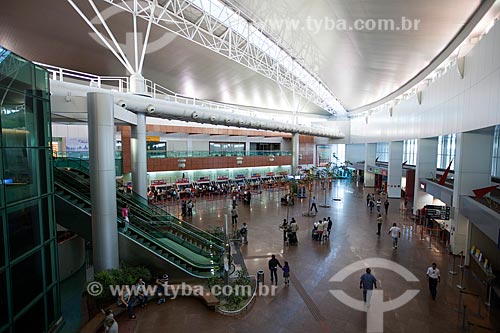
column 179, row 154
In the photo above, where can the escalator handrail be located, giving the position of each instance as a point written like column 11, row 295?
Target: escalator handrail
column 192, row 273
column 62, row 178
column 174, row 253
column 149, row 228
column 170, row 235
column 73, row 194
column 193, row 234
column 138, row 199
column 180, row 226
column 134, row 213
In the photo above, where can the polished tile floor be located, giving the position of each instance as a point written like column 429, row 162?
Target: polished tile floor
column 307, row 304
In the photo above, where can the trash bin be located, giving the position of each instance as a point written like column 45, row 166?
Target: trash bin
column 260, row 276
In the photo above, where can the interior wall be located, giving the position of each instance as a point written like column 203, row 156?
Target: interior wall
column 449, row 105
column 355, row 152
column 488, row 247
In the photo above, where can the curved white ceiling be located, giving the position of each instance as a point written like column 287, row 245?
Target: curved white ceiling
column 359, row 67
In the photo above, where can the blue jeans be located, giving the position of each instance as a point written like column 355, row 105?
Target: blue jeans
column 142, row 300
column 130, row 306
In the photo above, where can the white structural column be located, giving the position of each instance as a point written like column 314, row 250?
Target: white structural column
column 472, row 171
column 138, row 155
column 427, row 150
column 295, row 153
column 370, row 156
column 102, row 181
column 395, row 170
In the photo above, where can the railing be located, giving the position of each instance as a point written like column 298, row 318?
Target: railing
column 84, row 154
column 155, row 231
column 179, row 154
column 81, row 154
column 163, row 216
column 122, row 84
column 144, row 232
column 144, row 203
column 76, row 191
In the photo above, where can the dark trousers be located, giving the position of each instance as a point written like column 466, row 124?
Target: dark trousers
column 274, row 273
column 234, row 219
column 314, row 206
column 130, row 306
column 379, row 225
column 433, row 287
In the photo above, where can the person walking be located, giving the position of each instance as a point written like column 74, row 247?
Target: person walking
column 434, row 279
column 329, row 227
column 284, row 226
column 368, row 198
column 379, row 223
column 234, row 216
column 244, row 233
column 183, row 208
column 372, row 204
column 395, row 232
column 273, row 268
column 367, row 282
column 386, row 206
column 379, row 205
column 313, row 204
column 294, row 227
column 286, row 273
column 190, row 207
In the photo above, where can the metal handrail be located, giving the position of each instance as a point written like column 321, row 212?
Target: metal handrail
column 170, row 250
column 144, row 204
column 141, row 225
column 122, row 84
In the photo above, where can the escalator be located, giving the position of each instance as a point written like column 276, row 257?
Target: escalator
column 152, row 232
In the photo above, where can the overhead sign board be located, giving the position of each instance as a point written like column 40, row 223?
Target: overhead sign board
column 437, row 212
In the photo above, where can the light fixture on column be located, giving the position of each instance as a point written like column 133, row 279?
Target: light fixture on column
column 271, row 158
column 181, row 163
column 239, row 160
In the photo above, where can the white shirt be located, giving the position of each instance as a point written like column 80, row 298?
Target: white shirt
column 394, row 232
column 433, row 273
column 321, row 227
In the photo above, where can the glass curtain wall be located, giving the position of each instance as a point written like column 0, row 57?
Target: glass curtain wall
column 383, row 152
column 29, row 287
column 410, row 152
column 495, row 167
column 446, row 151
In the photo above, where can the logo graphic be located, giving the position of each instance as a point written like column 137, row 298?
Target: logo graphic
column 375, row 305
column 128, row 47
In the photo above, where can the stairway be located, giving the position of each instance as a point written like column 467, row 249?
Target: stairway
column 154, row 231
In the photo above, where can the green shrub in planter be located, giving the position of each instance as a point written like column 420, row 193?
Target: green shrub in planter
column 120, row 277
